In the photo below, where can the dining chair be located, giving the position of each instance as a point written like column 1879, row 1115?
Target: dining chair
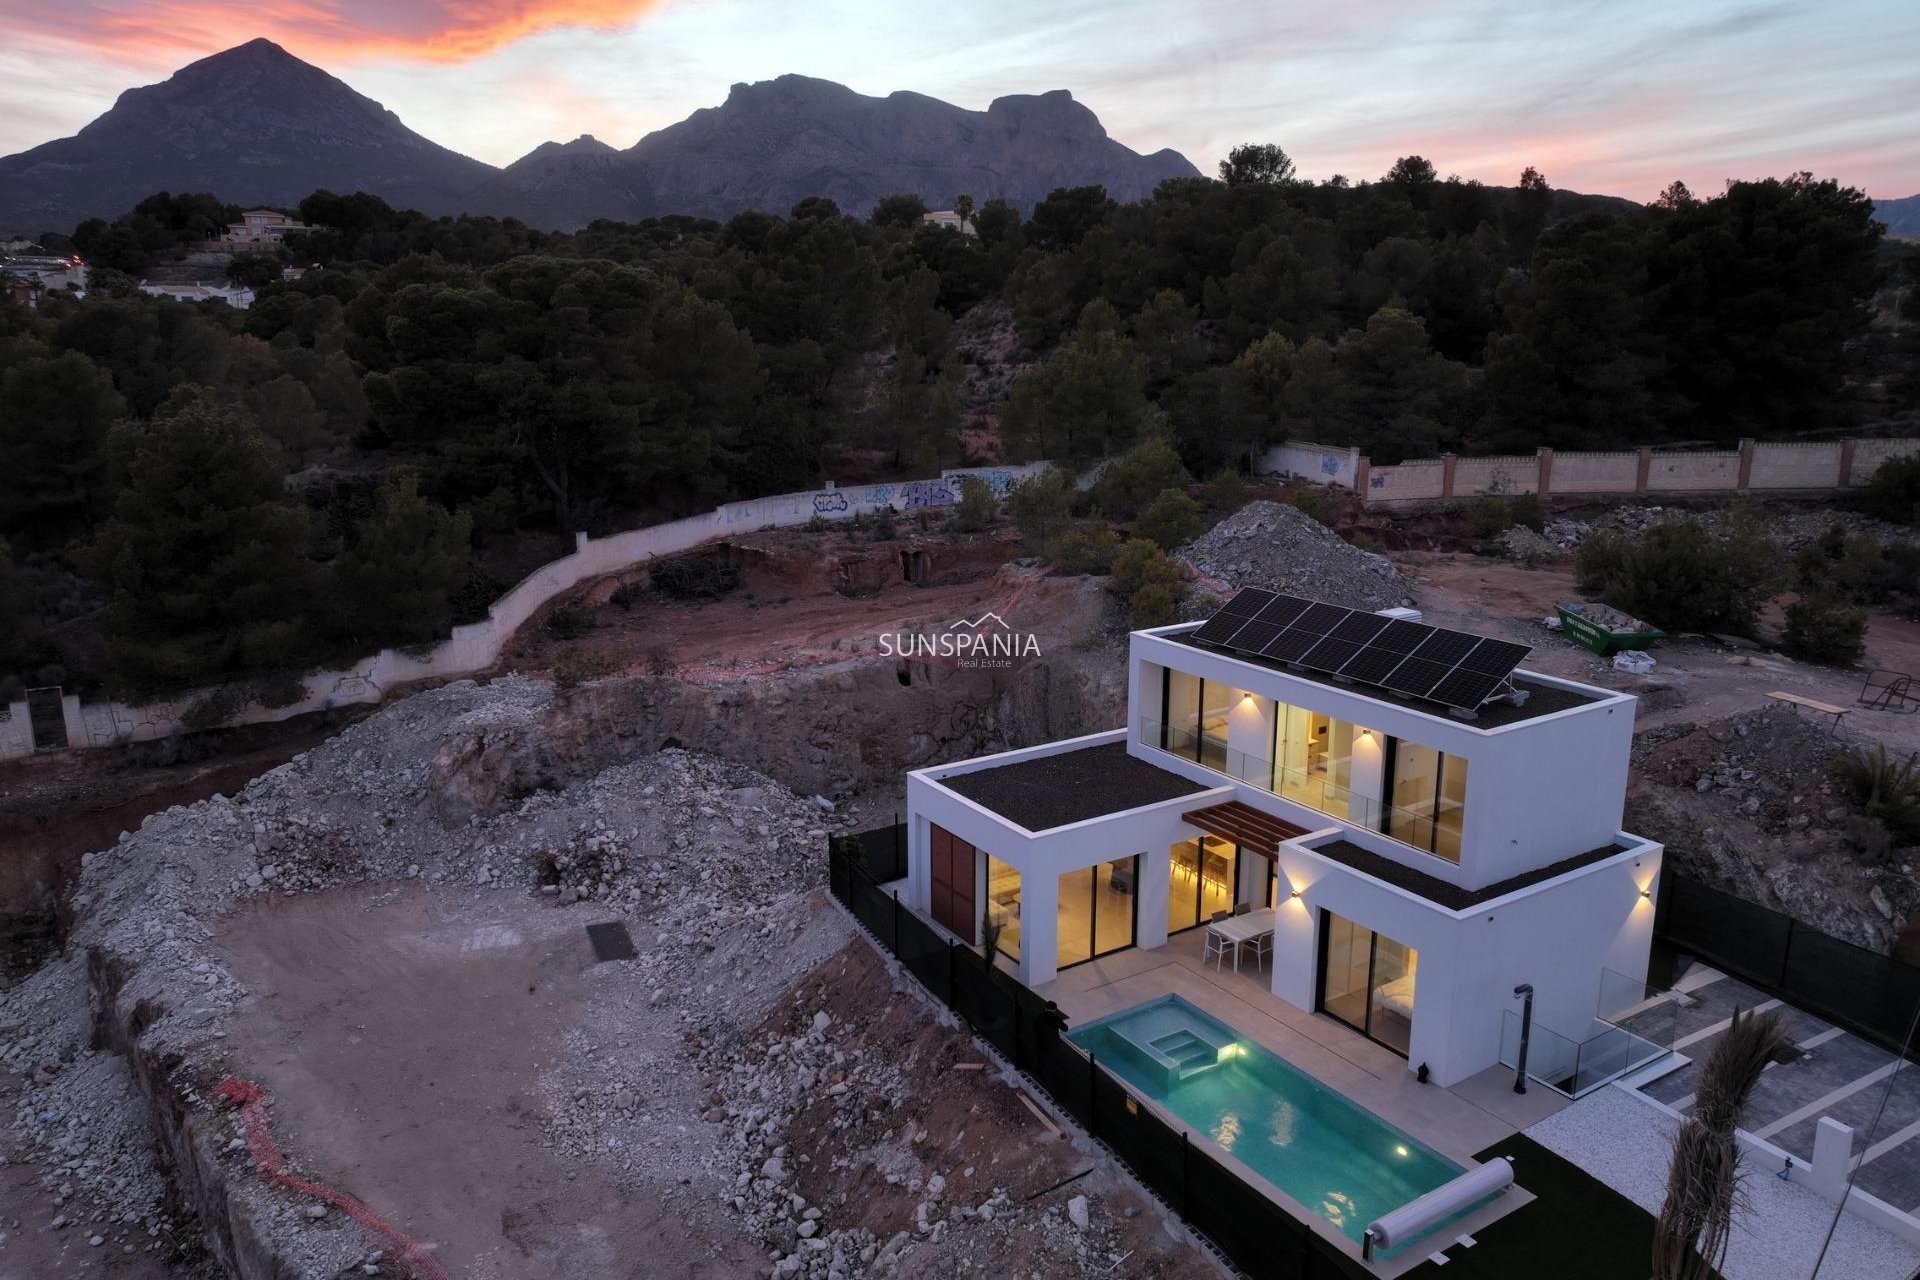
column 1218, row 944
column 1241, row 908
column 1261, row 944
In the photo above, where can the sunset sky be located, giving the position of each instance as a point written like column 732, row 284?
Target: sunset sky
column 1617, row 96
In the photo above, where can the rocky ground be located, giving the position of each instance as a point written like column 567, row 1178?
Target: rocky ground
column 750, row 1093
column 1278, row 547
column 1747, row 804
column 1793, row 525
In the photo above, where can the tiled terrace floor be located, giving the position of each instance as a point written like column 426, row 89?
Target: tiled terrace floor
column 1837, row 1075
column 1457, row 1122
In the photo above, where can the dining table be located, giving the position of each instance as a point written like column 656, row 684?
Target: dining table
column 1243, row 928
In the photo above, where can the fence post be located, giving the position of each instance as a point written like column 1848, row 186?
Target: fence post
column 1793, row 929
column 896, row 924
column 1093, row 1067
column 952, row 990
column 1186, row 1191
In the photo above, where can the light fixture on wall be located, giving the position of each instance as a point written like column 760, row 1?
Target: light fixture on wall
column 1647, row 893
column 1294, row 894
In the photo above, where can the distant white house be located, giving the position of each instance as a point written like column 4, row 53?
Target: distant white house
column 262, row 227
column 35, row 271
column 237, row 298
column 950, row 220
column 1404, row 860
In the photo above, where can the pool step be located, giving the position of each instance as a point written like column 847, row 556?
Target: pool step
column 1187, row 1053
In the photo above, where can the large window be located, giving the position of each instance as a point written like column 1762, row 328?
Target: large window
column 1097, row 910
column 1003, row 904
column 1201, row 881
column 1414, row 793
column 1429, row 799
column 1367, row 981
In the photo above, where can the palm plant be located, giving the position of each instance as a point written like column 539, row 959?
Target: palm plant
column 1885, row 787
column 989, row 936
column 1703, row 1182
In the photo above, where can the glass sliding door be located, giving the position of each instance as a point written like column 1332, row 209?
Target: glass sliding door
column 1097, row 906
column 1003, row 904
column 1201, row 881
column 1367, row 981
column 1429, row 792
column 1182, row 730
column 1216, row 705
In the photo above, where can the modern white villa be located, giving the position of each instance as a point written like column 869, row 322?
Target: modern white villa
column 1410, row 826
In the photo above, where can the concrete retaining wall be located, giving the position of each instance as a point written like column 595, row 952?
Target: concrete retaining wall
column 1784, row 467
column 476, row 646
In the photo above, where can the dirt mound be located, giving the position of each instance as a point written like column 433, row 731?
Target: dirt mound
column 1280, row 548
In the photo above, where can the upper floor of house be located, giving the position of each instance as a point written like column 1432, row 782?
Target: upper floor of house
column 1529, row 779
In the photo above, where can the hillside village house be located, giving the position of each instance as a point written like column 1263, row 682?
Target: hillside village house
column 949, row 219
column 1401, row 864
column 262, row 228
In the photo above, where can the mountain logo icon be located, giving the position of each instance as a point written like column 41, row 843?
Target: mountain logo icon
column 974, row 624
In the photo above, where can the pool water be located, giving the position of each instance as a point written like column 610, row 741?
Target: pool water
column 1335, row 1158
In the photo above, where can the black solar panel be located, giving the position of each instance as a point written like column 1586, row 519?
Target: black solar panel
column 1416, row 677
column 1330, row 654
column 1495, row 657
column 1446, row 647
column 1401, row 636
column 1359, row 628
column 1283, row 611
column 1321, row 618
column 1246, row 603
column 1254, row 634
column 1289, row 646
column 1372, row 665
column 1409, row 658
column 1466, row 689
column 1219, row 628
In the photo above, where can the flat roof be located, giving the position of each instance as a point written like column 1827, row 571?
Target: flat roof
column 1057, row 790
column 1452, row 896
column 1542, row 699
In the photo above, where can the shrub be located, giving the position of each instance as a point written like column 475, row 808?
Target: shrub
column 569, row 622
column 1489, row 516
column 1681, row 577
column 1170, row 519
column 977, row 505
column 1528, row 510
column 1136, row 476
column 1149, row 581
column 1226, row 492
column 1894, row 491
column 1885, row 789
column 1822, row 627
column 885, row 528
column 1602, row 557
column 1087, row 548
column 1311, row 502
column 572, row 668
column 628, row 594
column 1042, row 506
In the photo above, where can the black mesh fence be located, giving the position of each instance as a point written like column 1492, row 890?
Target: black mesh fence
column 1870, row 994
column 1258, row 1236
column 927, row 956
column 885, row 849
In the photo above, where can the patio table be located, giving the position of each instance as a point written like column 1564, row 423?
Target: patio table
column 1239, row 929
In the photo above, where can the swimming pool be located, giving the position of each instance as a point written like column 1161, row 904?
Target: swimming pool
column 1335, row 1158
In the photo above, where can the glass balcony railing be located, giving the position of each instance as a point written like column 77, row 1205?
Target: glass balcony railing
column 1634, row 1026
column 1309, row 789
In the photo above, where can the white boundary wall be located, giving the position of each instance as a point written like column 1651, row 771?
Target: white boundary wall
column 1755, row 467
column 476, row 646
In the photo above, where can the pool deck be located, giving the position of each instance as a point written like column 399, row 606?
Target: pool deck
column 1457, row 1122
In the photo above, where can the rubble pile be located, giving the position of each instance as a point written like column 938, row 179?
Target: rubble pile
column 1793, row 528
column 1747, row 804
column 697, row 843
column 1278, row 547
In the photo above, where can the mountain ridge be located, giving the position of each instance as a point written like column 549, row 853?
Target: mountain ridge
column 256, row 125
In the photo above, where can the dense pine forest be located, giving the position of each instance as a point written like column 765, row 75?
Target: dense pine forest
column 190, row 492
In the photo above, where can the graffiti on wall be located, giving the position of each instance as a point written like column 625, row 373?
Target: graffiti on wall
column 829, row 502
column 1329, row 466
column 927, row 493
column 880, row 495
column 1000, row 481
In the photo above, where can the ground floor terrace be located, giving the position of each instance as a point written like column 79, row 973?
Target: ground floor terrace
column 1081, row 859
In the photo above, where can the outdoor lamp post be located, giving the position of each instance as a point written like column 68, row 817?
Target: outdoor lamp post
column 1525, row 992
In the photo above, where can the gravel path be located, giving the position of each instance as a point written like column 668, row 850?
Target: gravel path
column 1625, row 1143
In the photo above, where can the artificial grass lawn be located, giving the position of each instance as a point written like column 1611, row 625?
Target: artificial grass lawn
column 1577, row 1227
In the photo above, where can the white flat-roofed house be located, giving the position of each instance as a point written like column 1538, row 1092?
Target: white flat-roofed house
column 949, row 219
column 263, row 227
column 1419, row 861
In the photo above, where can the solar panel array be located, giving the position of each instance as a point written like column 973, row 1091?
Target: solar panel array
column 1412, row 659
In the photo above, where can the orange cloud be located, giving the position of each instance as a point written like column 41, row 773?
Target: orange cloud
column 342, row 30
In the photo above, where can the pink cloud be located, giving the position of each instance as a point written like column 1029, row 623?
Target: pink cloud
column 150, row 33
